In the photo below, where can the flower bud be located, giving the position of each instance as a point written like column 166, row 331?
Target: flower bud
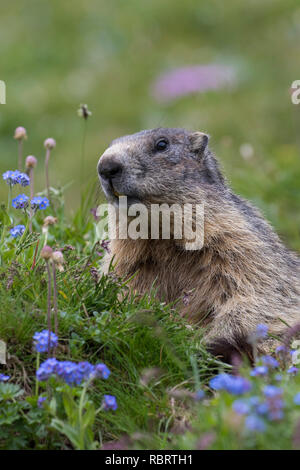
column 83, row 111
column 46, row 252
column 30, row 161
column 20, row 133
column 49, row 143
column 49, row 220
column 58, row 259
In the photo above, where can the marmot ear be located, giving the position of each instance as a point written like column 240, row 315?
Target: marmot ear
column 199, row 141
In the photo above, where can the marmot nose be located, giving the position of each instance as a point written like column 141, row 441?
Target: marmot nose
column 109, row 167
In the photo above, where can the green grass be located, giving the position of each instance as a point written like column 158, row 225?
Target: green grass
column 129, row 335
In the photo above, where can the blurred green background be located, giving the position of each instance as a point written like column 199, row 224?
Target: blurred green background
column 56, row 55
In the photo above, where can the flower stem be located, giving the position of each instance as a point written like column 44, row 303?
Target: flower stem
column 49, row 306
column 82, row 177
column 9, row 198
column 80, row 414
column 47, row 172
column 22, row 238
column 20, row 152
column 55, row 300
column 36, row 380
column 31, row 172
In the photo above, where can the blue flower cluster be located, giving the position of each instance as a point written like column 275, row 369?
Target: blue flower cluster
column 280, row 349
column 274, row 402
column 40, row 402
column 293, row 370
column 39, row 202
column 102, row 371
column 230, row 383
column 16, row 177
column 258, row 411
column 74, row 374
column 259, row 371
column 4, row 378
column 255, row 424
column 109, row 403
column 268, row 362
column 269, row 406
column 24, row 179
column 20, row 202
column 70, row 372
column 40, row 340
column 271, row 391
column 46, row 370
column 17, row 231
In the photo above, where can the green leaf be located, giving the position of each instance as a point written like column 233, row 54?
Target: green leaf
column 69, row 431
column 9, row 391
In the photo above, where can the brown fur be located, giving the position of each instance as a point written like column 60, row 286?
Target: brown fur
column 241, row 277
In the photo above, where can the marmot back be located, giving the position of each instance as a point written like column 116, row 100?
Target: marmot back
column 242, row 275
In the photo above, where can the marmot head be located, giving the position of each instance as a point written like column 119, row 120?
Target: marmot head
column 159, row 165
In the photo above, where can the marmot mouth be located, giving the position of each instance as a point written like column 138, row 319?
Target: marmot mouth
column 113, row 194
column 114, row 191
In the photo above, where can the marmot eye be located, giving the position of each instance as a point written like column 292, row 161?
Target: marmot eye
column 161, row 145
